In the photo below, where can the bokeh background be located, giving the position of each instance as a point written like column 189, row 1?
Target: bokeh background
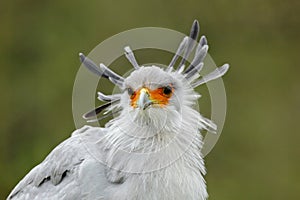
column 257, row 156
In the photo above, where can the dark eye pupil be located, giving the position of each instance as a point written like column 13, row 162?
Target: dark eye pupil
column 130, row 91
column 167, row 90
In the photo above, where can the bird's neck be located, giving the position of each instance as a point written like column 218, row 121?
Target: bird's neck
column 168, row 160
column 135, row 148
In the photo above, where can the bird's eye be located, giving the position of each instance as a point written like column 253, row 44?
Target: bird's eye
column 167, row 90
column 130, row 91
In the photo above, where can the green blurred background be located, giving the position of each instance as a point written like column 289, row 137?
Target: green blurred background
column 257, row 156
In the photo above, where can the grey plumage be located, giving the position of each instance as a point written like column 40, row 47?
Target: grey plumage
column 99, row 109
column 191, row 42
column 193, row 71
column 90, row 65
column 103, row 71
column 152, row 153
column 130, row 56
column 217, row 73
column 199, row 57
column 179, row 51
column 66, row 171
column 103, row 97
column 109, row 73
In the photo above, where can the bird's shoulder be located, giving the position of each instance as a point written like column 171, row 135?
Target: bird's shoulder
column 61, row 175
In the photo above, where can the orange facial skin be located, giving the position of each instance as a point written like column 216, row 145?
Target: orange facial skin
column 156, row 96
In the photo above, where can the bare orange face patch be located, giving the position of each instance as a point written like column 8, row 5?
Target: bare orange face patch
column 159, row 96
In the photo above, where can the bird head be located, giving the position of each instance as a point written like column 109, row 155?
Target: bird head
column 154, row 96
column 150, row 87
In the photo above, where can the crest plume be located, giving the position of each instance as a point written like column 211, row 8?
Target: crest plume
column 184, row 50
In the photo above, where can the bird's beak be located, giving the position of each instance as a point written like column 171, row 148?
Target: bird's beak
column 144, row 99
